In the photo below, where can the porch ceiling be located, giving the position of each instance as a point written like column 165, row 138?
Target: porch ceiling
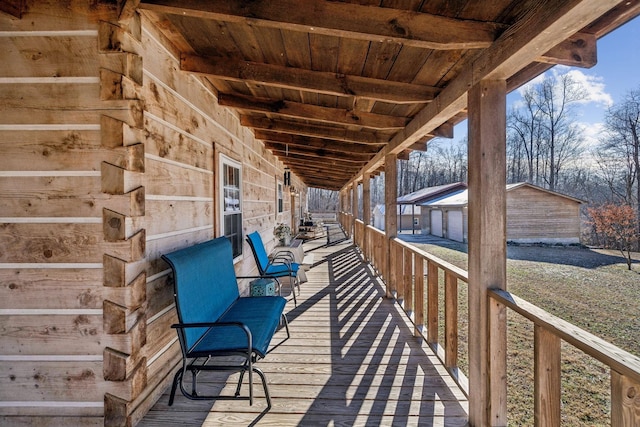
column 332, row 87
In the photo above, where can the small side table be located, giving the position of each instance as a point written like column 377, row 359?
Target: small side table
column 262, row 287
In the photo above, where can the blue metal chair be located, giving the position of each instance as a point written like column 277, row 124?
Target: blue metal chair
column 280, row 265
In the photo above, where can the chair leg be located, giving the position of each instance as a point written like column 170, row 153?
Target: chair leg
column 177, row 377
column 292, row 282
column 264, row 385
column 240, row 383
column 286, row 324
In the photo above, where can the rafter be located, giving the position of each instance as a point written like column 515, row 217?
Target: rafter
column 308, row 80
column 318, row 155
column 329, row 160
column 312, row 130
column 313, row 112
column 579, row 50
column 337, row 19
column 318, row 143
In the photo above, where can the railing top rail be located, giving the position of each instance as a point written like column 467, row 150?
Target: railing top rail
column 372, row 228
column 621, row 361
column 456, row 271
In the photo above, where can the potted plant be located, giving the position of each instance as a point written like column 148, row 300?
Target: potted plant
column 283, row 234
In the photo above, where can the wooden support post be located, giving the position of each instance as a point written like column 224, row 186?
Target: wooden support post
column 391, row 211
column 432, row 303
column 450, row 320
column 625, row 401
column 487, row 251
column 419, row 293
column 366, row 212
column 546, row 348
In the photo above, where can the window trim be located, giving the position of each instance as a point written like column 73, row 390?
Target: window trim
column 224, row 160
column 279, row 197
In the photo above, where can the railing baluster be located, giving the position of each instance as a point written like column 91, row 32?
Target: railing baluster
column 419, row 293
column 408, row 281
column 450, row 320
column 546, row 348
column 398, row 270
column 432, row 302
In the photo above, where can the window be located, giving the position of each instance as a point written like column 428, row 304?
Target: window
column 231, row 200
column 280, row 200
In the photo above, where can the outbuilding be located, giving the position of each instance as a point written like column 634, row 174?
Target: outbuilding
column 534, row 215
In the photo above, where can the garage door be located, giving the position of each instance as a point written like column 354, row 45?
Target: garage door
column 436, row 223
column 454, row 226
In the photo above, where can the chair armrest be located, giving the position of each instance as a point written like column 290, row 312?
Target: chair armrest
column 212, row 325
column 284, row 254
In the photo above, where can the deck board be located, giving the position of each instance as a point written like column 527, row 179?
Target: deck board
column 351, row 360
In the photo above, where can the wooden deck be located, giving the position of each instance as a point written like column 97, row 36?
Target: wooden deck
column 351, row 360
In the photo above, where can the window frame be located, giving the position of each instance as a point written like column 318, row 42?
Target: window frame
column 279, row 197
column 225, row 162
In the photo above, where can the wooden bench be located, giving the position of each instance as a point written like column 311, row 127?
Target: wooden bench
column 218, row 330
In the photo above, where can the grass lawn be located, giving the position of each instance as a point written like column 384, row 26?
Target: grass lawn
column 590, row 288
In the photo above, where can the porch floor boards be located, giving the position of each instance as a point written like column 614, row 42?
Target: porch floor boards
column 351, row 360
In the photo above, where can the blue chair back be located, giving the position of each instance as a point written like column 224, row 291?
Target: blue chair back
column 205, row 283
column 259, row 252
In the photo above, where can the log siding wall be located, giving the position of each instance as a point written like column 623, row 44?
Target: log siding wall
column 108, row 158
column 539, row 216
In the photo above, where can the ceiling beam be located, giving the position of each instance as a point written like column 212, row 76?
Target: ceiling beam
column 313, row 112
column 318, row 143
column 127, row 8
column 579, row 50
column 344, row 161
column 337, row 19
column 313, row 130
column 323, row 155
column 539, row 30
column 308, row 80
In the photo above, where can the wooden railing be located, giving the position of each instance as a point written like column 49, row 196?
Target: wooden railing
column 404, row 267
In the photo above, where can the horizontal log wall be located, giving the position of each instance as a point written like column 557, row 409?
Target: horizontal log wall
column 53, row 242
column 108, row 159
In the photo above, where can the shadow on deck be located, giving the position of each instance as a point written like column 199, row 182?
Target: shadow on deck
column 351, row 360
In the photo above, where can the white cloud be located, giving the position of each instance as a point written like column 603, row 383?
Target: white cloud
column 593, row 85
column 591, row 133
column 595, row 88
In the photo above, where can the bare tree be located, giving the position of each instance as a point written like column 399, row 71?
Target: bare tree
column 620, row 150
column 543, row 126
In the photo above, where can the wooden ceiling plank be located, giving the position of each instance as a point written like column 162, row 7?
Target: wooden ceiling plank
column 346, row 20
column 296, row 46
column 313, row 112
column 513, row 51
column 295, row 128
column 324, row 82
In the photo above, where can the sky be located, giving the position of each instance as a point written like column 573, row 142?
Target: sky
column 616, row 73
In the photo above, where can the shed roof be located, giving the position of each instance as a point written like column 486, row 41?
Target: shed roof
column 461, row 198
column 430, row 193
column 401, row 210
